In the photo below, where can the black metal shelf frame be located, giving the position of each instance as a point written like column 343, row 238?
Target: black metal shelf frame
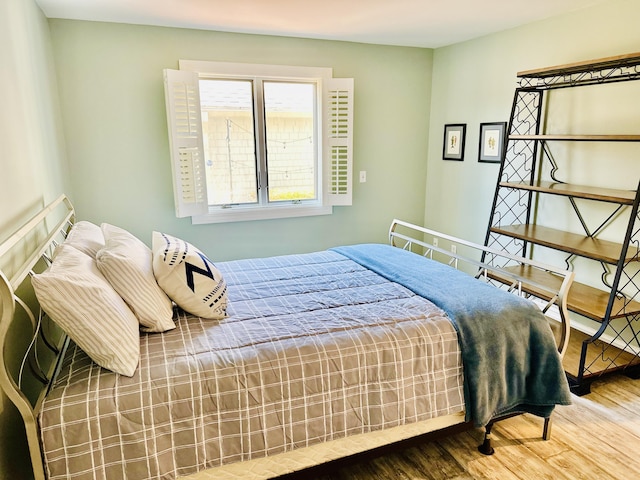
column 522, row 162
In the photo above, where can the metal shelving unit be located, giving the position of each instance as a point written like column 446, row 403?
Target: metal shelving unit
column 514, row 222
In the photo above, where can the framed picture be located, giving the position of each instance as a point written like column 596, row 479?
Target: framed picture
column 453, row 145
column 491, row 142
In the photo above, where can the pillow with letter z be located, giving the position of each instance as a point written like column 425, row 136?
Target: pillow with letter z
column 188, row 277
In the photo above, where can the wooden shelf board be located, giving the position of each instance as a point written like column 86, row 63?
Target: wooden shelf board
column 582, row 299
column 624, row 197
column 581, row 245
column 578, row 67
column 578, row 138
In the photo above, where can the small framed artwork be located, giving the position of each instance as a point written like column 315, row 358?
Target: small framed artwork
column 453, row 146
column 491, row 142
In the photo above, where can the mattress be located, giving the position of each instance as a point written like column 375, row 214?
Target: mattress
column 315, row 348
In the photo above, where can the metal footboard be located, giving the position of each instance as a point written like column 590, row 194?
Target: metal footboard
column 499, row 268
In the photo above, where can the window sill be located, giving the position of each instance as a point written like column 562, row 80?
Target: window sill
column 246, row 214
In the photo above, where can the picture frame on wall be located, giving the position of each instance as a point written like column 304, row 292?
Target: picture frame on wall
column 492, row 137
column 453, row 143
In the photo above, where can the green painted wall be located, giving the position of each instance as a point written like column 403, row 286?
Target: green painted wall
column 32, row 155
column 32, row 168
column 112, row 98
column 474, row 82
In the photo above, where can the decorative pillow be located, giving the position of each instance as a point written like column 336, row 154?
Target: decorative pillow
column 189, row 277
column 81, row 301
column 127, row 263
column 86, row 237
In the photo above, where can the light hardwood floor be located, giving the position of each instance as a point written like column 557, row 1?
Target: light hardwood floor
column 596, row 438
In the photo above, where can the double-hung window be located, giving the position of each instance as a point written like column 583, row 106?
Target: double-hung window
column 255, row 142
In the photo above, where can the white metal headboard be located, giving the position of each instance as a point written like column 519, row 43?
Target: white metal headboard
column 61, row 214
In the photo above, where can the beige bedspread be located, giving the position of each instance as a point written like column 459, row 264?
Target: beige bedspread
column 315, row 347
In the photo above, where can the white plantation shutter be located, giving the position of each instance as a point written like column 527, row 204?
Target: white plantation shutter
column 185, row 140
column 338, row 151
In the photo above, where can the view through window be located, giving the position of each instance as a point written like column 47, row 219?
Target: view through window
column 259, row 141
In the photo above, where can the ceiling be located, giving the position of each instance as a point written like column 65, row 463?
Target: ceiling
column 418, row 23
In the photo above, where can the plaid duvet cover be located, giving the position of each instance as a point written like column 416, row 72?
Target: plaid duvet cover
column 315, row 347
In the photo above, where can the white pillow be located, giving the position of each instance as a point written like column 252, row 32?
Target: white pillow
column 127, row 263
column 189, row 277
column 80, row 300
column 86, row 237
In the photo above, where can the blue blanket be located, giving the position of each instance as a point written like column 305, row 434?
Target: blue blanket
column 509, row 355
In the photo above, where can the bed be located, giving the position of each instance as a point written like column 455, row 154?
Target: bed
column 296, row 360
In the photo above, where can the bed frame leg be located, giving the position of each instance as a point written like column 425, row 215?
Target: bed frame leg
column 486, row 447
column 546, row 431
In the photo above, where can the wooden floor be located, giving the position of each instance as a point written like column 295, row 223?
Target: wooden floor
column 596, row 438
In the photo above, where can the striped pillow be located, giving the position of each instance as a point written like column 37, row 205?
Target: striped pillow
column 189, row 277
column 80, row 300
column 127, row 263
column 86, row 237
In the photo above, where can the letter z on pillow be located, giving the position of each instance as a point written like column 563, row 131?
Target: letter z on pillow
column 188, row 277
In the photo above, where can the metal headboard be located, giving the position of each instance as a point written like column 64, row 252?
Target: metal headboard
column 500, row 268
column 61, row 214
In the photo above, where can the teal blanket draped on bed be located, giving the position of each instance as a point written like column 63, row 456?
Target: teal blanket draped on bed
column 509, row 355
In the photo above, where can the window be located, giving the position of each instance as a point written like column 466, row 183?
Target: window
column 257, row 141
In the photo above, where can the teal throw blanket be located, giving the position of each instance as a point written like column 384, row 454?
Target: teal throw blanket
column 509, row 355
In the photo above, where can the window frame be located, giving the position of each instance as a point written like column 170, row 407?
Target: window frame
column 260, row 140
column 326, row 171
